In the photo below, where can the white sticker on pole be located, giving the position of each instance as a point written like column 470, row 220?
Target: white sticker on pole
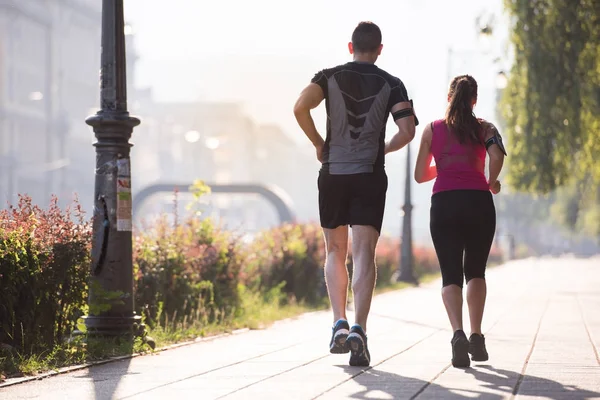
column 124, row 203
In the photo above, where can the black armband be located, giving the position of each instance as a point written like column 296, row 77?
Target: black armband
column 496, row 139
column 407, row 112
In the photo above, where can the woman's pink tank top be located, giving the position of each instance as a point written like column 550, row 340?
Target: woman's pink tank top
column 459, row 166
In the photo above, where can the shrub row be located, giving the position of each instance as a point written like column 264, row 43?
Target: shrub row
column 44, row 265
column 189, row 273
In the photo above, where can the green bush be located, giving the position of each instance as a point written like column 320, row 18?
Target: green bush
column 292, row 256
column 186, row 274
column 44, row 261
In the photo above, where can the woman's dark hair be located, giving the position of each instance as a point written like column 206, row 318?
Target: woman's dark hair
column 459, row 115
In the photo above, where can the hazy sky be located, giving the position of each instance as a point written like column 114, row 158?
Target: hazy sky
column 262, row 53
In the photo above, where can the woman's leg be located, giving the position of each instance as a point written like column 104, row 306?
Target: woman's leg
column 449, row 245
column 448, row 239
column 479, row 238
column 453, row 301
column 476, row 294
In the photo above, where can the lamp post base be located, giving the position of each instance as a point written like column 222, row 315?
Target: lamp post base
column 407, row 278
column 114, row 326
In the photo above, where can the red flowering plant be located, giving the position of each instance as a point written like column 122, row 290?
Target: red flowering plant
column 44, row 264
column 291, row 257
column 186, row 272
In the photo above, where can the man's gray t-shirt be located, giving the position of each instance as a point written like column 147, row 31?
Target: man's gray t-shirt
column 358, row 99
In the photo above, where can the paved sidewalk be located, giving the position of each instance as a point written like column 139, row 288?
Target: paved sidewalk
column 543, row 335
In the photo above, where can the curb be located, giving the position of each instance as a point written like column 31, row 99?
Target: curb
column 73, row 368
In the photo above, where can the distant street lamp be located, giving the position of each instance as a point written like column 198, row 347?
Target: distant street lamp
column 501, row 80
column 192, row 136
column 111, row 289
column 406, row 270
column 212, row 143
column 36, row 96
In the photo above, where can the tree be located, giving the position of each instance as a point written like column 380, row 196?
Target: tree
column 552, row 104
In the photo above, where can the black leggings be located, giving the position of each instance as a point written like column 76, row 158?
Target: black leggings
column 462, row 224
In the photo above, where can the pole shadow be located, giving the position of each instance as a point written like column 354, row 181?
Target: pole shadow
column 106, row 378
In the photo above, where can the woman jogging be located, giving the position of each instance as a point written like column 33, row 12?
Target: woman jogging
column 463, row 216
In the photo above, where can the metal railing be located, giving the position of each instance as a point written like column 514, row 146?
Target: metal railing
column 273, row 194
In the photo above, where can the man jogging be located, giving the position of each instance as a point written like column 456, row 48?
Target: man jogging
column 352, row 181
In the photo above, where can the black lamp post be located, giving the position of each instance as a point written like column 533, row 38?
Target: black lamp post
column 111, row 288
column 406, row 270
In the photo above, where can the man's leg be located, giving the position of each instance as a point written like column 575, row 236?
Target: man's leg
column 364, row 274
column 333, row 212
column 364, row 242
column 336, row 277
column 366, row 217
column 336, row 272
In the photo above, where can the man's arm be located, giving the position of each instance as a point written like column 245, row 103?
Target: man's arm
column 310, row 98
column 404, row 117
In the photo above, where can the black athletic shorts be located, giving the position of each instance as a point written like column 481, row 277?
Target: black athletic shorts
column 356, row 199
column 462, row 224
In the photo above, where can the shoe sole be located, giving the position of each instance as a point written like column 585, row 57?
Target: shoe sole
column 477, row 356
column 339, row 345
column 460, row 354
column 358, row 352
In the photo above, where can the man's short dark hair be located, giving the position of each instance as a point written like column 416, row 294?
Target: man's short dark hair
column 366, row 38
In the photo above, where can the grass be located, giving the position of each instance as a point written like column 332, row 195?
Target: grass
column 258, row 311
column 79, row 350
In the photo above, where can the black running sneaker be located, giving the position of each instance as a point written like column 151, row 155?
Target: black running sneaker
column 339, row 335
column 477, row 348
column 357, row 343
column 460, row 350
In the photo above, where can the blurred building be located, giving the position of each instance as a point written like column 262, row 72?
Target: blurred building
column 280, row 161
column 49, row 62
column 219, row 143
column 49, row 74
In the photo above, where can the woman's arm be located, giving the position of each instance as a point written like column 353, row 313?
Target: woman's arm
column 424, row 171
column 496, row 155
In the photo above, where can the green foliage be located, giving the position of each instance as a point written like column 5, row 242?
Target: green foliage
column 199, row 189
column 104, row 300
column 44, row 258
column 292, row 254
column 186, row 273
column 576, row 207
column 552, row 100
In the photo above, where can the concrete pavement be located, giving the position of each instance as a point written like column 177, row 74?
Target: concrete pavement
column 542, row 328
